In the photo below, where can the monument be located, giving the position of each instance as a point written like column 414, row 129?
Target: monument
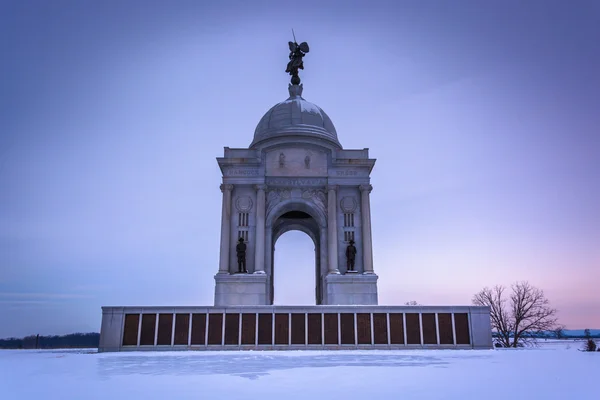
column 295, row 175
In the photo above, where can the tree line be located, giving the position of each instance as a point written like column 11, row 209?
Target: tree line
column 72, row 340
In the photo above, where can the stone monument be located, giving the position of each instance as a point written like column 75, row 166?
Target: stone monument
column 295, row 175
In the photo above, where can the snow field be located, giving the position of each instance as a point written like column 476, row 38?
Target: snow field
column 554, row 370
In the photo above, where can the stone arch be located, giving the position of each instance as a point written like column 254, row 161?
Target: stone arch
column 304, row 216
column 296, row 204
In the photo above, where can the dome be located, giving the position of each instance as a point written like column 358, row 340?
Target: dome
column 295, row 117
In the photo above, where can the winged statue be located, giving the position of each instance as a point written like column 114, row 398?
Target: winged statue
column 297, row 52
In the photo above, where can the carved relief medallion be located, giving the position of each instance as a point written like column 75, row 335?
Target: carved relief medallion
column 243, row 203
column 348, row 204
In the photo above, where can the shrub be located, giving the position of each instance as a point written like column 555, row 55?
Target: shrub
column 590, row 345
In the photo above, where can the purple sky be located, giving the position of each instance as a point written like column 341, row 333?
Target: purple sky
column 484, row 119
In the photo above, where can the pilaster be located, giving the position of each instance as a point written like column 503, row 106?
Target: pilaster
column 259, row 252
column 365, row 191
column 225, row 228
column 332, row 237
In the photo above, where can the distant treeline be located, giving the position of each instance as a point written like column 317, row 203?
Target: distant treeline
column 563, row 334
column 72, row 340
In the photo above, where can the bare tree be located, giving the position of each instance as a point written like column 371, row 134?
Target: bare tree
column 559, row 332
column 517, row 316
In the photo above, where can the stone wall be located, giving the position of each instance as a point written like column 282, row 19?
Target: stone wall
column 293, row 328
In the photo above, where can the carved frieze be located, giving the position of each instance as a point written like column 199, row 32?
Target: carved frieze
column 296, row 162
column 298, row 182
column 318, row 197
column 315, row 196
column 275, row 196
column 346, row 172
column 241, row 172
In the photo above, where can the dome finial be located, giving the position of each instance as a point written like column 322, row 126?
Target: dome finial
column 295, row 90
column 297, row 51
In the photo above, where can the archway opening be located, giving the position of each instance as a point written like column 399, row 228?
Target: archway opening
column 296, row 215
column 295, row 263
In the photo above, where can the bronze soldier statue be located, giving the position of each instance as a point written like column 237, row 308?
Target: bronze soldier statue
column 350, row 256
column 240, row 249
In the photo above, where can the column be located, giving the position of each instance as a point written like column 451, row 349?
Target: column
column 365, row 212
column 332, row 241
column 259, row 250
column 225, row 229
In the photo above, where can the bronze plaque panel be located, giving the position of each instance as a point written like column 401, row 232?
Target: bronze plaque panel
column 363, row 328
column 265, row 329
column 232, row 329
column 347, row 328
column 396, row 328
column 380, row 335
column 165, row 329
column 331, row 328
column 461, row 325
column 429, row 330
column 130, row 330
column 445, row 325
column 282, row 329
column 198, row 329
column 182, row 328
column 148, row 329
column 314, row 329
column 215, row 329
column 248, row 328
column 413, row 329
column 298, row 329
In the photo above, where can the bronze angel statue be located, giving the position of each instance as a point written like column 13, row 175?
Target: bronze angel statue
column 297, row 51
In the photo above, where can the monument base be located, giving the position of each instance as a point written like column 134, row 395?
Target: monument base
column 241, row 289
column 351, row 289
column 295, row 328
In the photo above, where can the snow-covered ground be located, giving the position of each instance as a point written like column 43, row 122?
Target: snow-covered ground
column 554, row 370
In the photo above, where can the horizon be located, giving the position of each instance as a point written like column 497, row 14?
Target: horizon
column 483, row 119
